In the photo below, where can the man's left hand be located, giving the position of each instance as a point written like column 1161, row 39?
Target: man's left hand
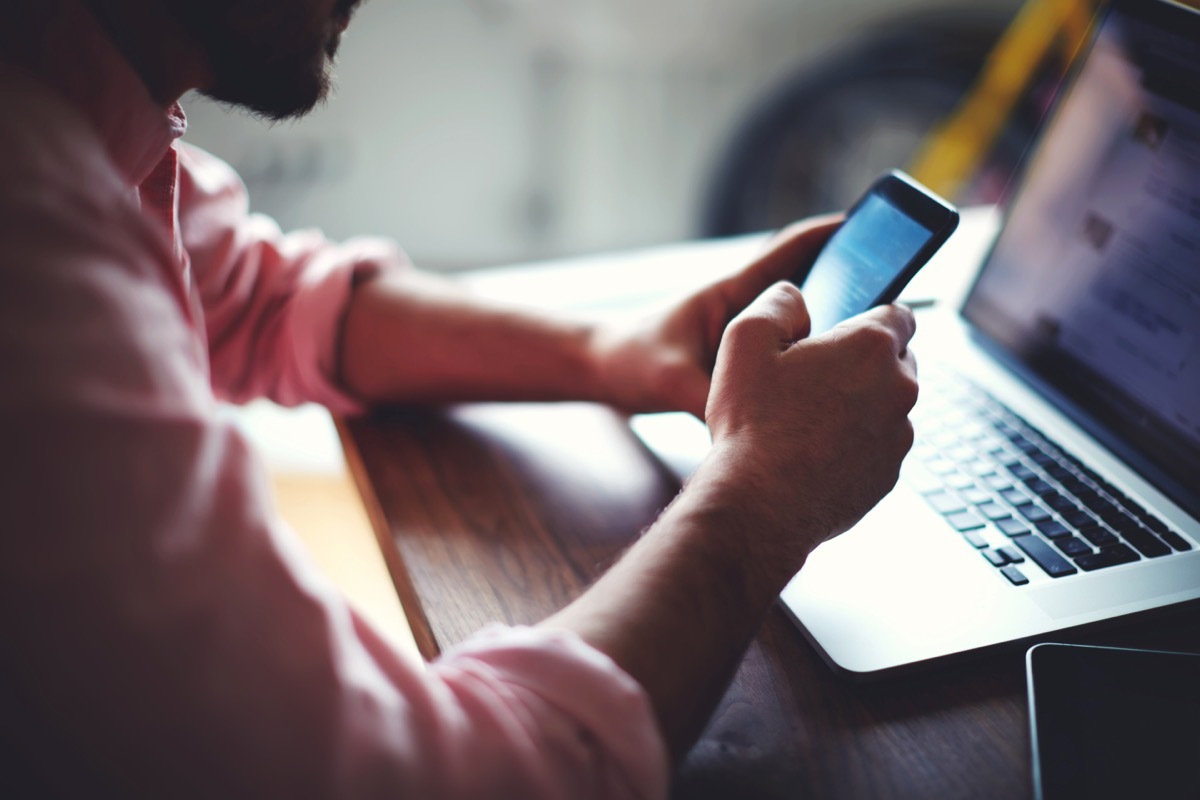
column 665, row 362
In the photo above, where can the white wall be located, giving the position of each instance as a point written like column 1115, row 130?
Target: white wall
column 492, row 131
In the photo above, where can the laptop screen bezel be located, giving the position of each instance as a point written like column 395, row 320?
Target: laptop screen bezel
column 1169, row 16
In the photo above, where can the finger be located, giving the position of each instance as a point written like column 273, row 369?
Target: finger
column 789, row 252
column 693, row 391
column 775, row 319
column 896, row 318
column 804, row 227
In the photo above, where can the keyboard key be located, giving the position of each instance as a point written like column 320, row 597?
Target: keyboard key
column 945, row 502
column 1073, row 546
column 980, row 468
column 1022, row 473
column 964, row 521
column 1123, row 525
column 975, row 496
column 1014, row 575
column 1060, row 503
column 941, row 466
column 1032, row 512
column 995, row 557
column 957, row 480
column 1078, row 518
column 1025, row 446
column 1098, row 535
column 961, row 453
column 1174, row 539
column 1044, row 556
column 1116, row 517
column 1131, row 505
column 1012, row 554
column 993, row 511
column 1041, row 488
column 1058, row 472
column 1073, row 485
column 1145, row 542
column 997, row 483
column 1103, row 508
column 1107, row 557
column 975, row 539
column 1116, row 494
column 1153, row 523
column 1012, row 527
column 1015, row 496
column 1052, row 529
column 1004, row 457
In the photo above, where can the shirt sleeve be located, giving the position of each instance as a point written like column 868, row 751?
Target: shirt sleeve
column 273, row 303
column 164, row 634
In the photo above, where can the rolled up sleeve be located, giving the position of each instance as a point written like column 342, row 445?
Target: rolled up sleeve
column 274, row 303
column 570, row 717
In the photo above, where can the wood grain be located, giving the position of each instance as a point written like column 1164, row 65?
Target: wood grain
column 524, row 505
column 506, row 513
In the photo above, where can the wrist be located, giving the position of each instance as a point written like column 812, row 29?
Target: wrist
column 763, row 527
column 595, row 349
column 607, row 379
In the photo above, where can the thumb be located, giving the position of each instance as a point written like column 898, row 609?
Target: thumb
column 773, row 321
column 788, row 256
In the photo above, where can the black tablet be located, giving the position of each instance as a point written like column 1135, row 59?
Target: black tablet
column 1114, row 723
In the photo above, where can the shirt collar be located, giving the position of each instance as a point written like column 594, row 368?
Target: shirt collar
column 61, row 43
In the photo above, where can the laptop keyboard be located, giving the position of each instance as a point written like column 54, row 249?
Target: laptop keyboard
column 1017, row 497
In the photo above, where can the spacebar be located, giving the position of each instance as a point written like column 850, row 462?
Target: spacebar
column 1044, row 556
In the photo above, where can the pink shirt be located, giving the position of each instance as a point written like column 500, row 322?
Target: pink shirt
column 164, row 635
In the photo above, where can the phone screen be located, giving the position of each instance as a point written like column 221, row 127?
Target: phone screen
column 861, row 260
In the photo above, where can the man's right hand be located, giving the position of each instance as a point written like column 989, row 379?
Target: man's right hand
column 810, row 431
column 808, row 434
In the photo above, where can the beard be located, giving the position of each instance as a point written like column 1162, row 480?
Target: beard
column 275, row 61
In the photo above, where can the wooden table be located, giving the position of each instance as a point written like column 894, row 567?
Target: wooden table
column 507, row 512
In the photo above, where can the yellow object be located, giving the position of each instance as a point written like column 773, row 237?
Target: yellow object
column 953, row 152
column 326, row 513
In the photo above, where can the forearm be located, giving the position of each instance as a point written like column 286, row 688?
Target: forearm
column 681, row 607
column 414, row 337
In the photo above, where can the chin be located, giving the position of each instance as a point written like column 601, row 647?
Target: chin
column 278, row 91
column 272, row 101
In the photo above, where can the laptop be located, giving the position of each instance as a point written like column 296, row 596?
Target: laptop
column 1055, row 479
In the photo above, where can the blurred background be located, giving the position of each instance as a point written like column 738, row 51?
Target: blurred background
column 481, row 132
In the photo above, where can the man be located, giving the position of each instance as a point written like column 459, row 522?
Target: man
column 163, row 635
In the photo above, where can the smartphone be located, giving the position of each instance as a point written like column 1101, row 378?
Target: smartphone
column 1114, row 723
column 888, row 235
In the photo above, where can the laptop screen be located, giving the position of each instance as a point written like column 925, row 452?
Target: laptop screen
column 1094, row 283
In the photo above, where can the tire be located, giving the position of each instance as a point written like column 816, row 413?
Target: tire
column 818, row 139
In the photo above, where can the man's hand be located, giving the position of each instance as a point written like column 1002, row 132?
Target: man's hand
column 814, row 428
column 665, row 363
column 808, row 434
